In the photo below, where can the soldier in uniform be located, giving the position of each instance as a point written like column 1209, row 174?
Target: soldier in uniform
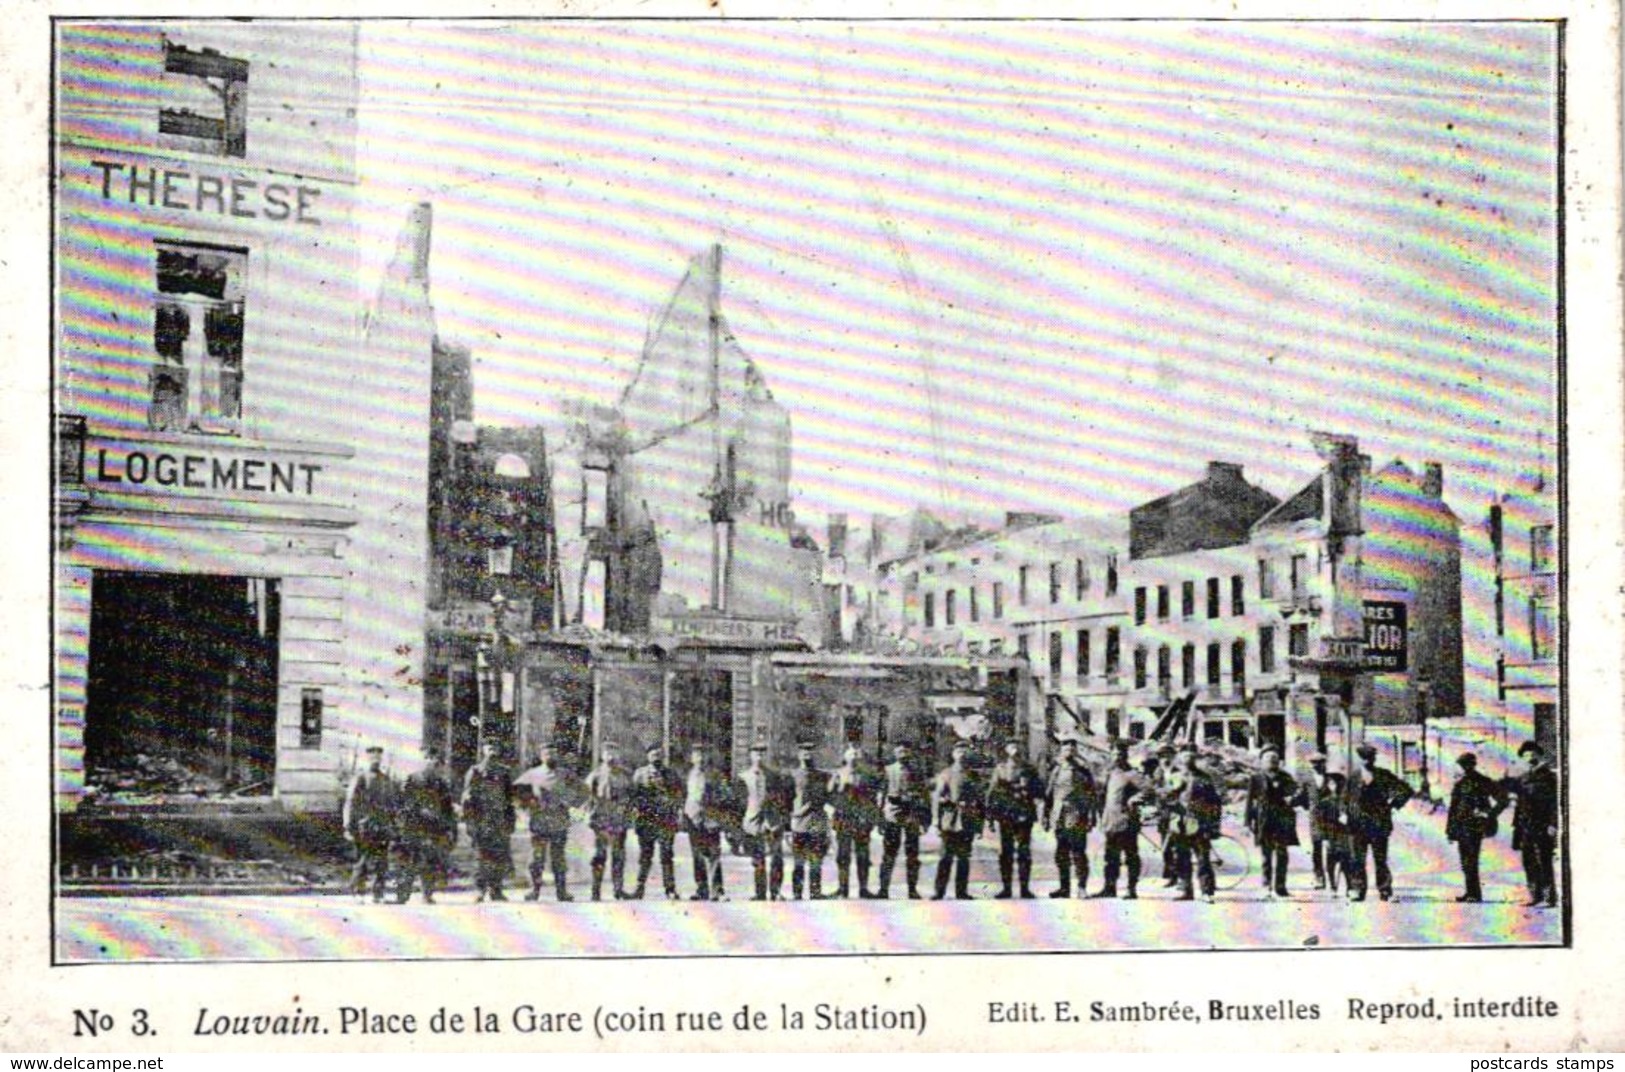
column 609, row 794
column 1120, row 821
column 1070, row 812
column 1475, row 801
column 428, row 828
column 905, row 808
column 1534, row 823
column 1326, row 829
column 1196, row 810
column 705, row 804
column 1273, row 798
column 1013, row 792
column 488, row 812
column 369, row 823
column 809, row 825
column 551, row 792
column 854, row 792
column 1374, row 794
column 657, row 811
column 763, row 825
column 957, row 801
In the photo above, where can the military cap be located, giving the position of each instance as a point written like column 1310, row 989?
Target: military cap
column 1269, row 750
column 653, row 746
column 961, row 745
column 1366, row 751
column 1468, row 760
column 1317, row 759
column 899, row 748
column 759, row 746
column 375, row 750
column 1530, row 748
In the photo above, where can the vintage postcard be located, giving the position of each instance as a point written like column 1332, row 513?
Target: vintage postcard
column 799, row 531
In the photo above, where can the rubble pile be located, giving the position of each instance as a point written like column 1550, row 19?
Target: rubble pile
column 159, row 779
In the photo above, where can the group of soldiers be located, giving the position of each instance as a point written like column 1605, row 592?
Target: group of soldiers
column 768, row 813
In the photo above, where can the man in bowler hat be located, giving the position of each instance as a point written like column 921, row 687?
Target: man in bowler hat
column 1534, row 823
column 1475, row 801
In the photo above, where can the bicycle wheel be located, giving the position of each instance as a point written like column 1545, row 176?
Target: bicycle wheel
column 1232, row 862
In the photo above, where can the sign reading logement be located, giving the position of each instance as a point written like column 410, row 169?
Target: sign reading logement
column 171, row 468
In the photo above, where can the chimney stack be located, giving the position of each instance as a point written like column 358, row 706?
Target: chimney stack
column 1433, row 480
column 1223, row 472
column 837, row 536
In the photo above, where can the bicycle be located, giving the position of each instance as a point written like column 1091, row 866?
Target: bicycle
column 1231, row 858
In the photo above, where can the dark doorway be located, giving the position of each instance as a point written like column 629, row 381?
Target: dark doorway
column 1271, row 732
column 182, row 689
column 702, row 713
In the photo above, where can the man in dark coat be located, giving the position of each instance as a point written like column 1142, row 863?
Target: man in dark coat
column 1013, row 792
column 1327, row 831
column 766, row 812
column 957, row 799
column 489, row 815
column 657, row 812
column 1070, row 812
column 369, row 823
column 854, row 792
column 1534, row 823
column 905, row 809
column 706, row 805
column 549, row 793
column 1475, row 801
column 1196, row 810
column 1126, row 789
column 427, row 822
column 1273, row 798
column 609, row 794
column 809, row 825
column 1374, row 794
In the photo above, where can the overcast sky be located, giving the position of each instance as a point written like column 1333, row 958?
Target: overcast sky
column 1006, row 264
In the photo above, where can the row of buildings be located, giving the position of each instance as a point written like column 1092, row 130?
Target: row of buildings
column 282, row 533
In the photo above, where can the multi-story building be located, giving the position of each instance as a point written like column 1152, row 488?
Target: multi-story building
column 493, row 569
column 1524, row 541
column 241, row 479
column 1043, row 589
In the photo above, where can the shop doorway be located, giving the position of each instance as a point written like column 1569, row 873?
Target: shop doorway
column 182, row 690
column 702, row 713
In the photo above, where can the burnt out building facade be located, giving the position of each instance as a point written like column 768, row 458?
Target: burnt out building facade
column 239, row 552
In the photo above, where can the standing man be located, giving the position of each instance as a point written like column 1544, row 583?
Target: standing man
column 488, row 813
column 1013, row 793
column 609, row 793
column 1534, row 823
column 705, row 806
column 809, row 825
column 1070, row 812
column 1374, row 794
column 657, row 810
column 1196, row 810
column 1475, row 801
column 1273, row 798
column 428, row 828
column 957, row 802
column 1326, row 829
column 1120, row 821
column 552, row 793
column 855, row 793
column 905, row 808
column 764, row 825
column 369, row 823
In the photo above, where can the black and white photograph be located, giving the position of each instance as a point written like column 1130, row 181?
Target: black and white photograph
column 657, row 488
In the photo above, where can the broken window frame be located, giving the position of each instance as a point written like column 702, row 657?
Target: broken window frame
column 225, row 134
column 199, row 312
